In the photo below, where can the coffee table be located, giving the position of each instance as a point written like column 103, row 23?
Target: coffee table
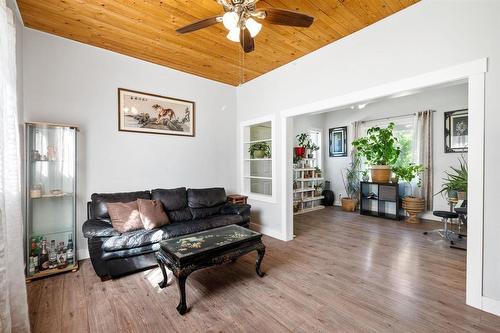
column 186, row 254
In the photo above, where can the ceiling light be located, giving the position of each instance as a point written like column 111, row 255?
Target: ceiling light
column 361, row 106
column 234, row 35
column 230, row 20
column 253, row 27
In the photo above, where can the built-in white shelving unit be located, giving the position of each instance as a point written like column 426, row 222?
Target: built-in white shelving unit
column 305, row 194
column 258, row 169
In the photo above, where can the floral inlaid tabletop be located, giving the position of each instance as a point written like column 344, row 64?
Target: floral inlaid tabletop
column 197, row 243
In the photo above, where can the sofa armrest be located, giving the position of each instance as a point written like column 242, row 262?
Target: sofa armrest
column 97, row 228
column 238, row 209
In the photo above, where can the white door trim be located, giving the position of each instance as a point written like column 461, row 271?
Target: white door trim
column 474, row 72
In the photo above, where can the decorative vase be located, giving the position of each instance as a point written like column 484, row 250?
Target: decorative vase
column 300, row 151
column 258, row 154
column 413, row 207
column 381, row 173
column 349, row 205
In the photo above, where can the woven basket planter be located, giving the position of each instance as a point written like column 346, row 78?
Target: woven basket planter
column 413, row 207
column 381, row 173
column 349, row 205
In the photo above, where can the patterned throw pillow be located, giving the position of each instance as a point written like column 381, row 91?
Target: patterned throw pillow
column 125, row 216
column 152, row 213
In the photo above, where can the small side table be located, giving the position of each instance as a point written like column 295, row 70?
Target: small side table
column 237, row 199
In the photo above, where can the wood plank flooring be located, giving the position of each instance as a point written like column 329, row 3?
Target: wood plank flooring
column 342, row 273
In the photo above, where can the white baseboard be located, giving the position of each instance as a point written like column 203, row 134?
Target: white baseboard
column 82, row 254
column 491, row 305
column 266, row 231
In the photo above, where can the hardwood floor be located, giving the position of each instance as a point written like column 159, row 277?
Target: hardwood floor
column 342, row 273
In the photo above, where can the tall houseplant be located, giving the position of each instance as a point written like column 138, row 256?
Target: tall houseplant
column 351, row 184
column 381, row 150
column 455, row 182
column 413, row 204
column 302, row 140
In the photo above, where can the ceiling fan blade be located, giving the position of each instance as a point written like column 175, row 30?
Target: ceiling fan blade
column 246, row 41
column 200, row 24
column 288, row 17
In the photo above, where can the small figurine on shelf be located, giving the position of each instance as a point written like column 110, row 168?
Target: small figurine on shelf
column 51, row 153
column 35, row 155
column 36, row 191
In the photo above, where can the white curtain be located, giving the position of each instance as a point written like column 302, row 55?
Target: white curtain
column 13, row 305
column 423, row 153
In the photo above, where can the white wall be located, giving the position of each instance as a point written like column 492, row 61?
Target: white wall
column 428, row 36
column 441, row 100
column 69, row 82
column 302, row 124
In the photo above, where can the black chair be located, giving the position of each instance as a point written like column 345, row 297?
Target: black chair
column 445, row 233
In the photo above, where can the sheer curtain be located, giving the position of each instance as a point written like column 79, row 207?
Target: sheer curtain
column 13, row 306
column 422, row 149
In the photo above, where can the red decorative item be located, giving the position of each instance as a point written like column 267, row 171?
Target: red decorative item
column 300, row 151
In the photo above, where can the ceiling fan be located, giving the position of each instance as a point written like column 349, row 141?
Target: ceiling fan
column 241, row 16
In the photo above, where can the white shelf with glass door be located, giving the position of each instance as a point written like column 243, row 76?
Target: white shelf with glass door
column 50, row 199
column 257, row 161
column 307, row 186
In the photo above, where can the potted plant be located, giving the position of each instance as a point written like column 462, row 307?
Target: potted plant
column 260, row 150
column 455, row 183
column 318, row 189
column 351, row 184
column 302, row 140
column 311, row 148
column 412, row 203
column 381, row 150
column 364, row 175
column 318, row 172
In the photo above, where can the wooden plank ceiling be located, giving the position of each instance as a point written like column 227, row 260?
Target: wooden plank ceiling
column 145, row 29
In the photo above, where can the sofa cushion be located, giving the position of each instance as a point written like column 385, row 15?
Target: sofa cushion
column 141, row 238
column 125, row 216
column 206, row 197
column 152, row 213
column 174, row 202
column 98, row 207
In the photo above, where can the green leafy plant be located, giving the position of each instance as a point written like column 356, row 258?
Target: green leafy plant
column 408, row 172
column 260, row 146
column 311, row 146
column 456, row 179
column 318, row 170
column 351, row 177
column 379, row 146
column 302, row 139
column 318, row 188
column 364, row 175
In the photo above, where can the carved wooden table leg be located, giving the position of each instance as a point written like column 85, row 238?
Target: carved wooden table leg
column 163, row 283
column 181, row 281
column 260, row 255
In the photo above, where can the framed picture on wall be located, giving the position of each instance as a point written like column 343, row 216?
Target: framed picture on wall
column 456, row 131
column 148, row 113
column 338, row 141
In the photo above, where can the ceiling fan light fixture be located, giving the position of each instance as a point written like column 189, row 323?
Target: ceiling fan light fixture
column 253, row 27
column 230, row 20
column 234, row 35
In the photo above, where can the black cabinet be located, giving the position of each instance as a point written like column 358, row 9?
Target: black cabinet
column 380, row 200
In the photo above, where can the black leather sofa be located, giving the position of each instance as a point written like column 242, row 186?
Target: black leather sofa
column 193, row 210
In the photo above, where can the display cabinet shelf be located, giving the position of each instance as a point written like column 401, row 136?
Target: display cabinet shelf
column 307, row 180
column 50, row 199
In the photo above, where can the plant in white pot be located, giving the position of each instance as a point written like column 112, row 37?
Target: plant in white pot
column 455, row 183
column 351, row 184
column 413, row 204
column 260, row 150
column 381, row 150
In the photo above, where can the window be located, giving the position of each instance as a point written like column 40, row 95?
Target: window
column 403, row 131
column 257, row 165
column 315, row 136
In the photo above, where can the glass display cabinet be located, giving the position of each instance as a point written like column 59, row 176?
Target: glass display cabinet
column 50, row 165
